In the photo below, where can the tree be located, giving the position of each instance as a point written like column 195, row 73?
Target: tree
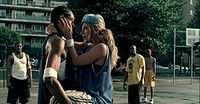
column 195, row 23
column 149, row 22
column 7, row 39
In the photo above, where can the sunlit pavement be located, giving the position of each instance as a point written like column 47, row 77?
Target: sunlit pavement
column 183, row 92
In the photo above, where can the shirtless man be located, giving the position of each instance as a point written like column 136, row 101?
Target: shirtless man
column 54, row 49
column 149, row 78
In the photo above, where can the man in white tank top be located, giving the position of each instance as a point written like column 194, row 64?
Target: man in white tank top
column 19, row 76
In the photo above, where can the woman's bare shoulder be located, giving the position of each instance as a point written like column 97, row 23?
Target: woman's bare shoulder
column 101, row 47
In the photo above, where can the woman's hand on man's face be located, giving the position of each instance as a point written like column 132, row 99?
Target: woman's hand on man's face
column 65, row 26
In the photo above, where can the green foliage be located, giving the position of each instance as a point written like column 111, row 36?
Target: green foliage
column 148, row 20
column 8, row 37
column 195, row 23
column 7, row 40
column 151, row 20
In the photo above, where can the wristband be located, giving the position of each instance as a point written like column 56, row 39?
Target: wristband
column 70, row 43
column 49, row 72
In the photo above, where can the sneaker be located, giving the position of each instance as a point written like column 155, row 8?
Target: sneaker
column 151, row 101
column 144, row 100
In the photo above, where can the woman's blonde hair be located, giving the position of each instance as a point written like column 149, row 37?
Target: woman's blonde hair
column 106, row 37
column 99, row 31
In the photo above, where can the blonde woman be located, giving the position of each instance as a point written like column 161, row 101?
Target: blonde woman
column 97, row 61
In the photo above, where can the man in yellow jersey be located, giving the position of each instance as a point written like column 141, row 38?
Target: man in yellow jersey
column 136, row 69
column 149, row 79
column 19, row 76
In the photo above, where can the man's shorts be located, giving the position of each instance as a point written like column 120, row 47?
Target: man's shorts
column 20, row 90
column 76, row 97
column 149, row 79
